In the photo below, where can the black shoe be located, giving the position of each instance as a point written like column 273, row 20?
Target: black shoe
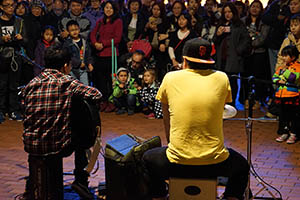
column 82, row 190
column 24, row 196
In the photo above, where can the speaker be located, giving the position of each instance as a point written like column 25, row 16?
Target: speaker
column 124, row 171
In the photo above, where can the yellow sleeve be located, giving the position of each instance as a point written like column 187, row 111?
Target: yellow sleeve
column 162, row 93
column 229, row 95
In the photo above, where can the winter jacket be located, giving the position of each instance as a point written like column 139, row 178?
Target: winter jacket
column 290, row 75
column 104, row 33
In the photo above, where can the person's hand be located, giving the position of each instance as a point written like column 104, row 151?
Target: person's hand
column 163, row 36
column 126, row 91
column 175, row 63
column 64, row 34
column 282, row 81
column 162, row 47
column 280, row 17
column 191, row 12
column 220, row 30
column 121, row 85
column 91, row 67
column 19, row 37
column 98, row 46
column 6, row 38
column 136, row 85
column 82, row 66
column 129, row 45
column 147, row 26
column 214, row 8
column 139, row 88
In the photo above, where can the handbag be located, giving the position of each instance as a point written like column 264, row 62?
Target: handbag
column 142, row 45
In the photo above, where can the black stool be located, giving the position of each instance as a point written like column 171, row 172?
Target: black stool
column 46, row 177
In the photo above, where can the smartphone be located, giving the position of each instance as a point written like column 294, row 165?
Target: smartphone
column 227, row 29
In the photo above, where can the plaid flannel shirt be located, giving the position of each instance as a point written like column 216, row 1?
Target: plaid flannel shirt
column 47, row 103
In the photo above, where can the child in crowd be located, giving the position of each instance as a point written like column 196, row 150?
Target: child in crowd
column 81, row 53
column 287, row 96
column 124, row 93
column 148, row 94
column 293, row 38
column 46, row 41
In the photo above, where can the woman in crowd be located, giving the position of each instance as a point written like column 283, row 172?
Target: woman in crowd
column 107, row 28
column 22, row 9
column 172, row 18
column 232, row 45
column 133, row 24
column 256, row 63
column 178, row 39
column 155, row 28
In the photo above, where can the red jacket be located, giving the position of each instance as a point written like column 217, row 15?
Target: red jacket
column 107, row 32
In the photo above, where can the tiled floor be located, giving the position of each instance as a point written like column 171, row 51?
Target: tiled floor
column 278, row 164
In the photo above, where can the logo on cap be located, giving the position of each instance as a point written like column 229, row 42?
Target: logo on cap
column 202, row 51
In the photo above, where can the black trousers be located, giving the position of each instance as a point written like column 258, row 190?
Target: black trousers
column 159, row 169
column 102, row 76
column 289, row 117
column 9, row 82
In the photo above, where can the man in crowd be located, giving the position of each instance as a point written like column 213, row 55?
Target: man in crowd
column 76, row 11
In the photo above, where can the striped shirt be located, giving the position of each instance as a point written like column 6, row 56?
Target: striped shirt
column 47, row 103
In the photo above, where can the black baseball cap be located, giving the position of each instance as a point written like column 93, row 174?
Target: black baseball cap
column 198, row 50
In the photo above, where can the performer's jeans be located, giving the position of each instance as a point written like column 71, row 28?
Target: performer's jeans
column 159, row 169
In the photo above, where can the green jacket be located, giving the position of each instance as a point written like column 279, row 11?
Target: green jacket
column 119, row 92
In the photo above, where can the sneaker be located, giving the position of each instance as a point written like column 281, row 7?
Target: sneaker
column 24, row 196
column 15, row 116
column 292, row 139
column 82, row 190
column 120, row 111
column 2, row 117
column 130, row 112
column 282, row 138
column 151, row 116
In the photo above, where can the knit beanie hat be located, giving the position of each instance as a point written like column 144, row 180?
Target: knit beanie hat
column 37, row 3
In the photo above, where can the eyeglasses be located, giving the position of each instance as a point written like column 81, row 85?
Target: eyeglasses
column 136, row 62
column 9, row 5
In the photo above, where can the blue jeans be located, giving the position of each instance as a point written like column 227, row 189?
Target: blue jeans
column 125, row 101
column 81, row 75
column 273, row 59
column 159, row 168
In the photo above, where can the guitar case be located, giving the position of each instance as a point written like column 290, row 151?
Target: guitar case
column 85, row 118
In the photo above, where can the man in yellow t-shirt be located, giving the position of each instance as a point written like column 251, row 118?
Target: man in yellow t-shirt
column 193, row 102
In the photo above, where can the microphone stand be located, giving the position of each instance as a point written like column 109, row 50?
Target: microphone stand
column 248, row 125
column 249, row 122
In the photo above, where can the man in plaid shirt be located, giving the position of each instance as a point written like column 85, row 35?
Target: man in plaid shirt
column 47, row 103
